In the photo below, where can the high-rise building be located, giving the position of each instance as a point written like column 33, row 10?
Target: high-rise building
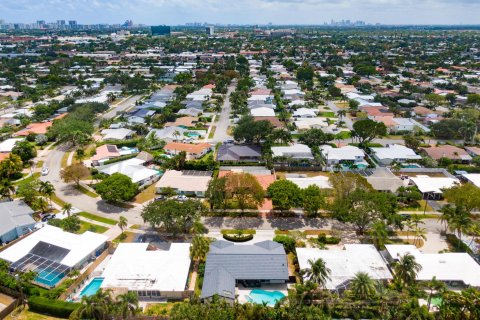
column 72, row 24
column 160, row 30
column 210, row 30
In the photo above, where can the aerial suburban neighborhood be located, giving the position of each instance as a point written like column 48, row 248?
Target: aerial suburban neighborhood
column 217, row 171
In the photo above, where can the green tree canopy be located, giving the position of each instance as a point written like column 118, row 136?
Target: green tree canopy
column 117, row 187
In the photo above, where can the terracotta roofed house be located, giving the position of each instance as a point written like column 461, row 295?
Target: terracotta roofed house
column 449, row 152
column 193, row 151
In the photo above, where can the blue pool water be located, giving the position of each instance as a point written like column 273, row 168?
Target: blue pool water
column 92, row 287
column 49, row 278
column 261, row 296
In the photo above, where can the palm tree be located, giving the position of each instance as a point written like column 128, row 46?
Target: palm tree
column 200, row 247
column 461, row 222
column 342, row 113
column 363, row 286
column 47, row 189
column 7, row 188
column 318, row 272
column 122, row 223
column 127, row 305
column 448, row 212
column 379, row 234
column 67, row 208
column 94, row 307
column 431, row 286
column 406, row 269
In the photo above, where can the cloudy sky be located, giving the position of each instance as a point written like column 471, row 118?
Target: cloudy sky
column 243, row 11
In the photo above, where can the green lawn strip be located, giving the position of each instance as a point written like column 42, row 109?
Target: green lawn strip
column 57, row 200
column 86, row 192
column 212, row 132
column 94, row 217
column 87, row 226
column 34, row 176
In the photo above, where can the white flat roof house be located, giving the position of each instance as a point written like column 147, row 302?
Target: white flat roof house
column 153, row 274
column 52, row 253
column 262, row 112
column 344, row 264
column 132, row 168
column 116, row 134
column 394, row 153
column 344, row 154
column 185, row 182
column 305, row 113
column 431, row 187
column 472, row 178
column 304, row 182
column 447, row 267
column 7, row 145
column 296, row 151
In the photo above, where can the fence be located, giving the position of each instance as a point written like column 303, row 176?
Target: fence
column 85, row 276
column 14, row 304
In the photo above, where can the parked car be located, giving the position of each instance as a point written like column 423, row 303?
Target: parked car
column 181, row 197
column 48, row 217
column 45, row 171
column 160, row 198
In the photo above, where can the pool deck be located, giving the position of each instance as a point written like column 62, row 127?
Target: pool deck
column 243, row 292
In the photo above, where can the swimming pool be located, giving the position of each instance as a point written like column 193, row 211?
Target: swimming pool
column 92, row 287
column 49, row 278
column 261, row 296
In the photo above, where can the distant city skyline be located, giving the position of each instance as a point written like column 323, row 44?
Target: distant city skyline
column 178, row 12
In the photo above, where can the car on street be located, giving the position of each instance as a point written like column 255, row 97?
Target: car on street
column 45, row 171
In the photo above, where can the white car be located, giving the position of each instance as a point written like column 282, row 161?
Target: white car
column 45, row 171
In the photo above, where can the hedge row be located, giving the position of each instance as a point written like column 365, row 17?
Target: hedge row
column 238, row 238
column 322, row 238
column 238, row 231
column 55, row 308
column 457, row 244
column 121, row 158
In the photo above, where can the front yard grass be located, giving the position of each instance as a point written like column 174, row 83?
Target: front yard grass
column 87, row 226
column 86, row 192
column 94, row 217
column 146, row 195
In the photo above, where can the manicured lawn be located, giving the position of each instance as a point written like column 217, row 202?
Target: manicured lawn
column 39, row 164
column 129, row 237
column 146, row 195
column 34, row 176
column 64, row 161
column 86, row 192
column 327, row 114
column 98, row 218
column 57, row 200
column 212, row 132
column 87, row 226
column 28, row 315
column 159, row 309
column 421, row 207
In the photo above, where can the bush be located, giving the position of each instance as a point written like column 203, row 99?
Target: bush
column 322, row 238
column 55, row 308
column 288, row 242
column 457, row 244
column 238, row 237
column 121, row 158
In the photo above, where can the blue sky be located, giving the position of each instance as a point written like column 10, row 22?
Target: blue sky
column 244, row 11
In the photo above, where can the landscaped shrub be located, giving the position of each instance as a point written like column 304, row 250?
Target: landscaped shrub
column 457, row 244
column 322, row 238
column 238, row 237
column 56, row 308
column 121, row 158
column 237, row 231
column 288, row 242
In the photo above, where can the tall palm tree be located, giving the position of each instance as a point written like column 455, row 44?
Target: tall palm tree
column 127, row 305
column 448, row 211
column 431, row 286
column 47, row 189
column 461, row 222
column 95, row 307
column 122, row 223
column 200, row 247
column 363, row 286
column 318, row 272
column 7, row 189
column 406, row 269
column 67, row 208
column 379, row 234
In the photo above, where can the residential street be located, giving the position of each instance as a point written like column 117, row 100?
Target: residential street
column 121, row 106
column 224, row 119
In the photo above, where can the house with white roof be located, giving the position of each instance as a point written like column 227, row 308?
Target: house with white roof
column 302, row 181
column 52, row 253
column 190, row 182
column 152, row 274
column 345, row 264
column 7, row 145
column 432, row 187
column 262, row 112
column 449, row 267
column 394, row 153
column 296, row 151
column 310, row 123
column 346, row 156
column 304, row 113
column 473, row 178
column 117, row 134
column 132, row 168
